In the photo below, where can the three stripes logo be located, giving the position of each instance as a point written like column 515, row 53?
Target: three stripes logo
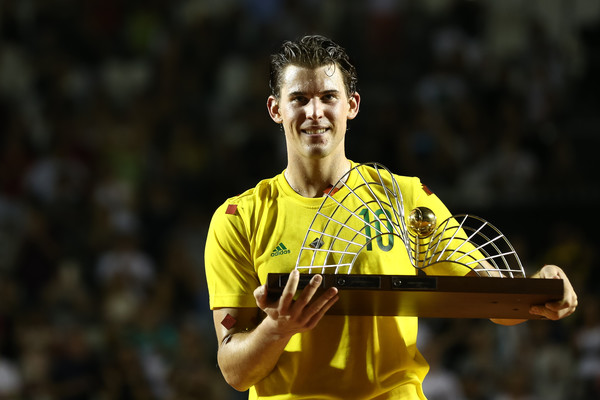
column 280, row 250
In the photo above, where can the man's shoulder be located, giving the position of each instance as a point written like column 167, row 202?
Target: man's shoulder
column 265, row 191
column 376, row 170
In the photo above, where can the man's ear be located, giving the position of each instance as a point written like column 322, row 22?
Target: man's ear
column 354, row 104
column 273, row 107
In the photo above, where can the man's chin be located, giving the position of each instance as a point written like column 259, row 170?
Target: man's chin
column 317, row 152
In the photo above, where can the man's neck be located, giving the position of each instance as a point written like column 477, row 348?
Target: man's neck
column 314, row 178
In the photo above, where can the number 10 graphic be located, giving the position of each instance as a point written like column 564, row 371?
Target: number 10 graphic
column 377, row 226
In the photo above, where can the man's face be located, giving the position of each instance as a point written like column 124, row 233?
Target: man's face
column 313, row 108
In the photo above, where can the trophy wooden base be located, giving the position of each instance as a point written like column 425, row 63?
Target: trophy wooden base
column 430, row 296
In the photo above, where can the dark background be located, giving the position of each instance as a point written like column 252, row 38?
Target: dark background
column 124, row 124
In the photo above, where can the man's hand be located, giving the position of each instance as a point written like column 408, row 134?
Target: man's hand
column 561, row 308
column 287, row 316
column 248, row 350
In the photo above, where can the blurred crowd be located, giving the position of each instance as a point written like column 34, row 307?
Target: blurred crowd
column 124, row 124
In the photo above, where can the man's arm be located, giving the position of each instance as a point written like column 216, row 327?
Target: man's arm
column 249, row 350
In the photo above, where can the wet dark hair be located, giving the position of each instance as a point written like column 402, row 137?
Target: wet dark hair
column 312, row 51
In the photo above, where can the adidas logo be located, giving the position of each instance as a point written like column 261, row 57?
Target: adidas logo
column 280, row 250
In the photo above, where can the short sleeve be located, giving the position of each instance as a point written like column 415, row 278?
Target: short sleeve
column 230, row 273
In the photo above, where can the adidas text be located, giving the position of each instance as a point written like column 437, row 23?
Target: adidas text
column 280, row 250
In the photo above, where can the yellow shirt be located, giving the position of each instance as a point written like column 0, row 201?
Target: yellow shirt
column 344, row 357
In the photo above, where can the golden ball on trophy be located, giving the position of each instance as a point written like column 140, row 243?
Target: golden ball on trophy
column 422, row 221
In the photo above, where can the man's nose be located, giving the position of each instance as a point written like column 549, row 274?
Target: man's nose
column 314, row 109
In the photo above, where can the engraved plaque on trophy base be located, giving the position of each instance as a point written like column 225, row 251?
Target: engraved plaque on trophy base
column 430, row 296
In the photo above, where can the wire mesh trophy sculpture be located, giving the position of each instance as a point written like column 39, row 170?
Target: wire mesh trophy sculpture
column 366, row 209
column 374, row 209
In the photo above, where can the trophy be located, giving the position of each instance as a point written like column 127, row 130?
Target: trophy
column 367, row 212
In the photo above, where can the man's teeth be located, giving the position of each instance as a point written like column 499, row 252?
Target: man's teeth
column 315, row 131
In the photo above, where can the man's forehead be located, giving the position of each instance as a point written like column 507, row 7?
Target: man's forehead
column 301, row 79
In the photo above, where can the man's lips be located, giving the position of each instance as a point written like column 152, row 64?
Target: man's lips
column 314, row 131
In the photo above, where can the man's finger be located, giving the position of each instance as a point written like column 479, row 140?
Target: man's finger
column 307, row 293
column 260, row 295
column 544, row 312
column 324, row 301
column 556, row 305
column 287, row 295
column 553, row 311
column 314, row 320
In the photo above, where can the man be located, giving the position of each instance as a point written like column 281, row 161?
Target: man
column 289, row 348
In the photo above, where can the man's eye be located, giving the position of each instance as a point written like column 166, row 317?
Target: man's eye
column 328, row 97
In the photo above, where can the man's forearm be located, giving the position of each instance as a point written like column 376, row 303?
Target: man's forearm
column 245, row 358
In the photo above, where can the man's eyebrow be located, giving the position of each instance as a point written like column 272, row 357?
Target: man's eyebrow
column 300, row 93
